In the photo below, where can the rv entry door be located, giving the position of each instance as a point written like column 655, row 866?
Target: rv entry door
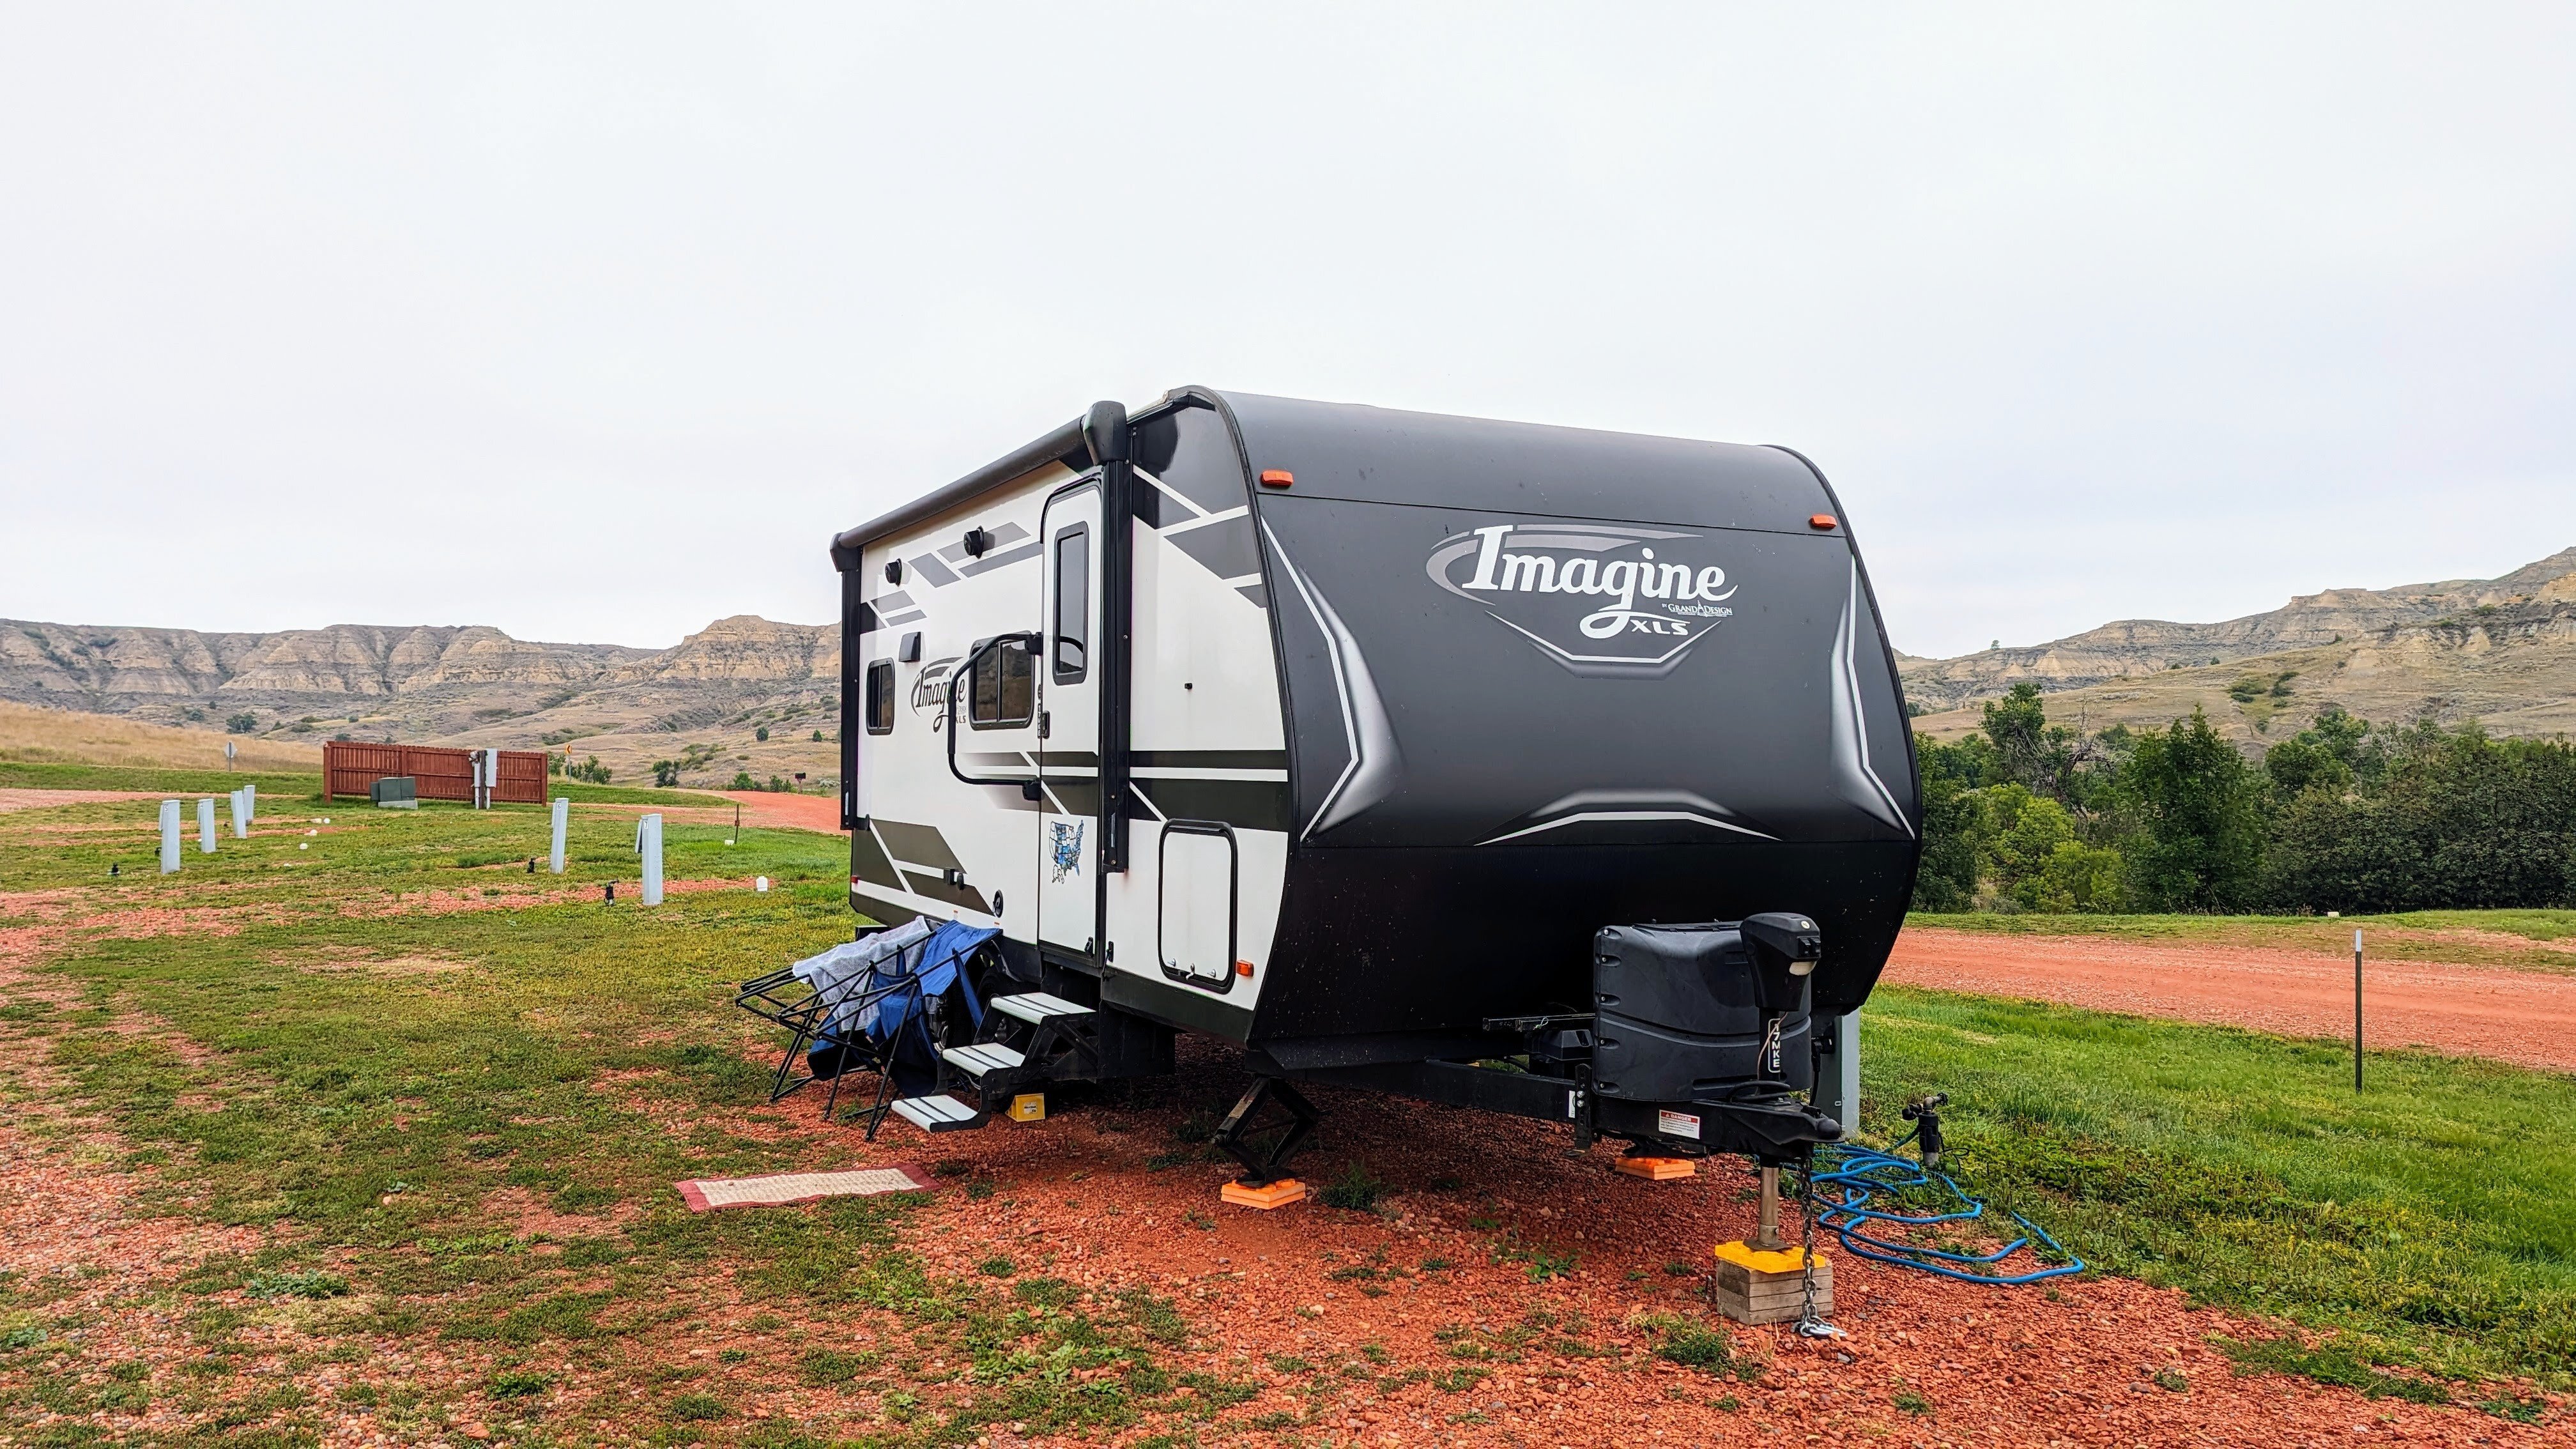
column 1069, row 722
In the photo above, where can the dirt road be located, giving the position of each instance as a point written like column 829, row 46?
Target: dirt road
column 2524, row 1017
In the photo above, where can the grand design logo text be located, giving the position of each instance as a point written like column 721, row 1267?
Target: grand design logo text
column 1599, row 599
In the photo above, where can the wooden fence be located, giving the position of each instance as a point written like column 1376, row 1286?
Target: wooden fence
column 349, row 767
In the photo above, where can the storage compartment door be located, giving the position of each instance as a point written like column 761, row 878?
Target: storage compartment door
column 1196, row 914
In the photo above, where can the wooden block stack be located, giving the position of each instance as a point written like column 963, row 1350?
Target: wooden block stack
column 1758, row 1287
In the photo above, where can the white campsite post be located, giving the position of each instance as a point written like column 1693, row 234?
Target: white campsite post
column 563, row 813
column 206, row 826
column 241, row 816
column 169, row 837
column 250, row 802
column 648, row 842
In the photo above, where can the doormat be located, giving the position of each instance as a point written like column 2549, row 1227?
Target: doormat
column 781, row 1188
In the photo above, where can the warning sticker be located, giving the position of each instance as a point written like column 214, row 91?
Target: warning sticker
column 1677, row 1124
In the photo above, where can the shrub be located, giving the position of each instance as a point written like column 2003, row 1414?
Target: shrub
column 742, row 781
column 519, row 1384
column 697, row 1406
column 312, row 1283
column 666, row 773
column 1356, row 1190
column 1696, row 1345
column 240, row 724
column 761, row 734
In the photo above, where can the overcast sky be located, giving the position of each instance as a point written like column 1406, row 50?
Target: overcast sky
column 594, row 324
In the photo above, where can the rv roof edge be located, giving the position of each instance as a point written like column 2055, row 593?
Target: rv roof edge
column 1065, row 445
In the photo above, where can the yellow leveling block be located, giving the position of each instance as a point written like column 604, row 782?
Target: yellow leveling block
column 1754, row 1286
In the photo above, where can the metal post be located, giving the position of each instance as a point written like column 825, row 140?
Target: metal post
column 169, row 837
column 206, row 826
column 2356, row 1008
column 649, row 842
column 1767, row 1239
column 563, row 812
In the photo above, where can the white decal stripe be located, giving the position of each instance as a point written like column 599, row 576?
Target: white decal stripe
column 1692, row 816
column 1204, row 519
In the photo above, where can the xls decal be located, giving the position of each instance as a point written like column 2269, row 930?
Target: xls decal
column 1599, row 599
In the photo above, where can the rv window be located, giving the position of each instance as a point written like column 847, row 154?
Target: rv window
column 1072, row 603
column 1002, row 693
column 881, row 697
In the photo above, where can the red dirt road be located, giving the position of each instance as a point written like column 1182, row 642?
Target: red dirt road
column 2524, row 1017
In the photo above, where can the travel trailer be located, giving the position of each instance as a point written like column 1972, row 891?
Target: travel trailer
column 1540, row 770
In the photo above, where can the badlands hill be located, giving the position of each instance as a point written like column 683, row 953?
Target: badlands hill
column 715, row 690
column 2501, row 651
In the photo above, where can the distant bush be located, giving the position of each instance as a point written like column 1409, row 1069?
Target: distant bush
column 742, row 781
column 666, row 773
column 590, row 769
column 1357, row 1190
column 241, row 724
column 761, row 734
column 775, row 783
column 818, row 737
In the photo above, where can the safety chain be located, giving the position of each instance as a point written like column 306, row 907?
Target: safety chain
column 1811, row 1324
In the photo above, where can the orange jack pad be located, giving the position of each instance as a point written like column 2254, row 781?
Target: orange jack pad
column 1658, row 1169
column 1277, row 1195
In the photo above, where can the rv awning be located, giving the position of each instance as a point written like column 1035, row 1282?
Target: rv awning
column 1064, row 445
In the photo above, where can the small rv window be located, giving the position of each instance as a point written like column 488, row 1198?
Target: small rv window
column 1002, row 693
column 1072, row 603
column 881, row 697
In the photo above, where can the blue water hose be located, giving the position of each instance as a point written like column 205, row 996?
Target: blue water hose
column 1847, row 1181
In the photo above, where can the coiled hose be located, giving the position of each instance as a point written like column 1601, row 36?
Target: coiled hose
column 1846, row 1183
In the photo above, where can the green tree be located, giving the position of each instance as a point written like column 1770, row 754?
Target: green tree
column 666, row 773
column 241, row 724
column 2197, row 800
column 2028, row 750
column 1952, row 829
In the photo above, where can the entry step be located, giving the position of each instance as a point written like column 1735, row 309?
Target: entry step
column 982, row 1057
column 942, row 1113
column 1037, row 1006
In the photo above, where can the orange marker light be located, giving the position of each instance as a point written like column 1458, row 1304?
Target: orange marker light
column 1242, row 968
column 1277, row 477
column 1820, row 520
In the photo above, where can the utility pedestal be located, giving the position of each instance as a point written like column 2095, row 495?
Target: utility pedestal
column 1837, row 1092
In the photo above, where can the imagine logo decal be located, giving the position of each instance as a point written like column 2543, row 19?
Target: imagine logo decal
column 1634, row 610
column 1064, row 851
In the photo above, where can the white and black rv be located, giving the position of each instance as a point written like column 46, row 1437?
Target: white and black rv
column 1387, row 745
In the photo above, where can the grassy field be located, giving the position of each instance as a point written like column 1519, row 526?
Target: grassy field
column 58, row 775
column 394, row 1095
column 2541, row 940
column 68, row 736
column 2428, row 1218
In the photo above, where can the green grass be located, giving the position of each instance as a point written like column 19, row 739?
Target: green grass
column 2522, row 940
column 2428, row 1218
column 385, row 1089
column 46, row 775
